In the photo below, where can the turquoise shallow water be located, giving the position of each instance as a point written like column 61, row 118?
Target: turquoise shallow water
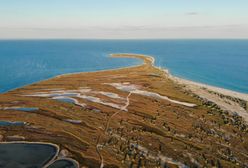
column 222, row 63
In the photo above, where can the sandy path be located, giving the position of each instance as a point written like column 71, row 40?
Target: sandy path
column 107, row 127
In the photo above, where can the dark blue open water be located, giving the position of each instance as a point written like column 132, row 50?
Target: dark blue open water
column 222, row 63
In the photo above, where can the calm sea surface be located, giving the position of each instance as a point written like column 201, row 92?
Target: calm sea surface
column 222, row 63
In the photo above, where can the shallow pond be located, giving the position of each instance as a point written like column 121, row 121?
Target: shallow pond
column 26, row 155
column 63, row 164
column 27, row 109
column 12, row 123
column 65, row 99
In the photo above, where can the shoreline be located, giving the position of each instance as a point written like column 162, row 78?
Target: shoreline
column 141, row 108
column 51, row 160
column 180, row 80
column 227, row 92
column 235, row 103
column 75, row 73
column 227, row 100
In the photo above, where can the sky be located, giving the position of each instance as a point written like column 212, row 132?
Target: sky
column 123, row 19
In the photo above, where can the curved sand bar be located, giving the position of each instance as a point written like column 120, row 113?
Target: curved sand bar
column 227, row 100
column 130, row 117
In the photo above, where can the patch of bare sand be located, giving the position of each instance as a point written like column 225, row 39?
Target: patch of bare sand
column 225, row 99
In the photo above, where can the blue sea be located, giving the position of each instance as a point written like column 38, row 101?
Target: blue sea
column 221, row 63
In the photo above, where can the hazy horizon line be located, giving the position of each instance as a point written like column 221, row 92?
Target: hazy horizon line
column 196, row 38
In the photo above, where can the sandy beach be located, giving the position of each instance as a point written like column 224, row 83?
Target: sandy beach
column 228, row 100
column 131, row 116
column 231, row 101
